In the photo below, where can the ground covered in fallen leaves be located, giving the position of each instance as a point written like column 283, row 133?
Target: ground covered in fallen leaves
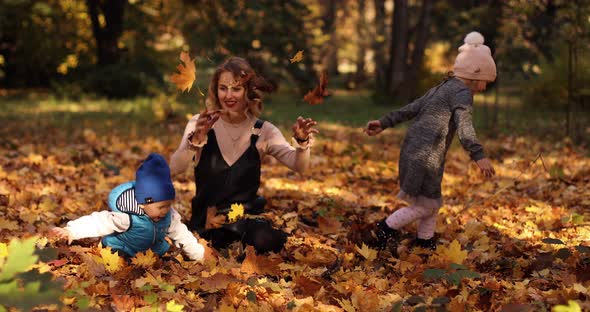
column 516, row 242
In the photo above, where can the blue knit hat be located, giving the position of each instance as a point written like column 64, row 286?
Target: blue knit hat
column 153, row 182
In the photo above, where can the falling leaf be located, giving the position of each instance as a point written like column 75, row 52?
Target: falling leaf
column 316, row 96
column 236, row 211
column 298, row 57
column 366, row 252
column 144, row 259
column 187, row 73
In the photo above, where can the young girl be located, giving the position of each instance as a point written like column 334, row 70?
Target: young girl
column 442, row 111
column 225, row 146
column 140, row 216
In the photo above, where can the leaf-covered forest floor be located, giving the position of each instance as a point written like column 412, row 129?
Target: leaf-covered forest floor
column 519, row 241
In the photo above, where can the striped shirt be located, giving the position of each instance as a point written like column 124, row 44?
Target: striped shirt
column 127, row 203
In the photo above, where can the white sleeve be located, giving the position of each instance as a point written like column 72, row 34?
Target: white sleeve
column 184, row 239
column 183, row 156
column 296, row 159
column 98, row 224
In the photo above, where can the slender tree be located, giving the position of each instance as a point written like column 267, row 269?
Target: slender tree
column 107, row 18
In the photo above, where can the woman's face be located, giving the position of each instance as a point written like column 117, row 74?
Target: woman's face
column 231, row 93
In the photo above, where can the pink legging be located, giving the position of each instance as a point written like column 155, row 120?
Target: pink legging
column 404, row 216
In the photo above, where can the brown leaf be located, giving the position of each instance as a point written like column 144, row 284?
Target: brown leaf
column 316, row 96
column 329, row 225
column 123, row 303
column 214, row 220
column 216, row 282
column 307, row 285
column 259, row 264
column 187, row 73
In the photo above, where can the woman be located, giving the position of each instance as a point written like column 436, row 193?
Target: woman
column 226, row 144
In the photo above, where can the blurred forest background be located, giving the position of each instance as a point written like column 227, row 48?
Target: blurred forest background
column 378, row 54
column 85, row 95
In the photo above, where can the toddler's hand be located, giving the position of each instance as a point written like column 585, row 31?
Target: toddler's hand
column 373, row 128
column 486, row 167
column 62, row 233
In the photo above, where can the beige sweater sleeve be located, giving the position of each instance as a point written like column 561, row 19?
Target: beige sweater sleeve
column 183, row 156
column 275, row 144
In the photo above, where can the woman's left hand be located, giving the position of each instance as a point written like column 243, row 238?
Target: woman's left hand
column 303, row 127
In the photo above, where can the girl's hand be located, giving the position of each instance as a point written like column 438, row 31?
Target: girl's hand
column 205, row 122
column 373, row 128
column 302, row 128
column 486, row 167
column 62, row 233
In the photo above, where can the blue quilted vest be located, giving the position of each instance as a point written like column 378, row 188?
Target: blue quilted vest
column 143, row 233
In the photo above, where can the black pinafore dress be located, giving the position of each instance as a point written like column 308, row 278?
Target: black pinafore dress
column 221, row 185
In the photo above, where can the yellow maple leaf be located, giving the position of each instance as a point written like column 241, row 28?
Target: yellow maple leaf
column 236, row 211
column 572, row 306
column 187, row 73
column 172, row 306
column 298, row 57
column 111, row 261
column 3, row 250
column 366, row 252
column 144, row 259
column 452, row 253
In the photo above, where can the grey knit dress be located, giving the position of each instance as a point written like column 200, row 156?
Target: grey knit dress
column 442, row 111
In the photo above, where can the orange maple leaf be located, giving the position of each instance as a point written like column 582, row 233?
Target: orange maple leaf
column 184, row 80
column 298, row 57
column 316, row 96
column 259, row 264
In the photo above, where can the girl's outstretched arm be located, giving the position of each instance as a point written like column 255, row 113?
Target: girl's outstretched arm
column 403, row 114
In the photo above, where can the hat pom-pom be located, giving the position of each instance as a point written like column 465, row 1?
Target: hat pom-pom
column 474, row 38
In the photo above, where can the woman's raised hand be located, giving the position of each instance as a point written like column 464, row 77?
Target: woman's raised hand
column 303, row 127
column 205, row 122
column 373, row 128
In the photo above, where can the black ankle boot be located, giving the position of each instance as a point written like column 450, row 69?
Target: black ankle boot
column 426, row 243
column 383, row 233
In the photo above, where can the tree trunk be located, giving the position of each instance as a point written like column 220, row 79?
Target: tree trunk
column 362, row 43
column 379, row 46
column 330, row 58
column 399, row 46
column 107, row 33
column 423, row 31
column 570, row 80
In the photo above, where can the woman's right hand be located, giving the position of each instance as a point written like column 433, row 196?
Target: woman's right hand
column 373, row 128
column 205, row 122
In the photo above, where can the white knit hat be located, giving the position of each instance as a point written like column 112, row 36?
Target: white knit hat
column 475, row 59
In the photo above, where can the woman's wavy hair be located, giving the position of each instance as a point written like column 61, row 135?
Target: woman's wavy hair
column 254, row 85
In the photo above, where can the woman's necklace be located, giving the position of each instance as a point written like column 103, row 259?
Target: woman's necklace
column 234, row 131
